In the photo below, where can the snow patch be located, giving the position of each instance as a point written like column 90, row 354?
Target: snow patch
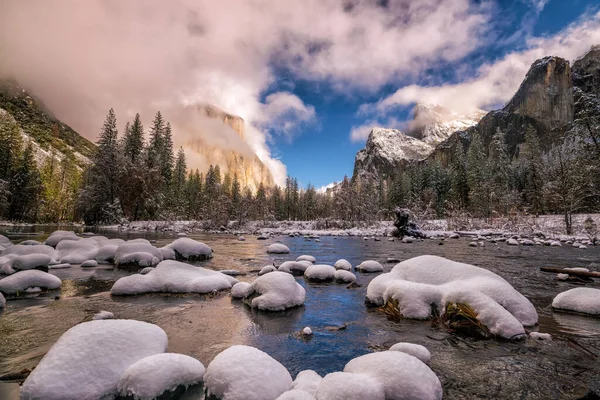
column 581, row 299
column 276, row 291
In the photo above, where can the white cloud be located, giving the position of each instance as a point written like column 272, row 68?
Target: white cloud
column 285, row 112
column 323, row 189
column 496, row 82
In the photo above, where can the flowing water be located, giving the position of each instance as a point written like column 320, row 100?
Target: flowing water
column 344, row 328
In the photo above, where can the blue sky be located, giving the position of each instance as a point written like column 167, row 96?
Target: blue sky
column 322, row 152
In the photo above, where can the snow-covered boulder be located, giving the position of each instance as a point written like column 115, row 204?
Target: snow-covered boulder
column 473, row 244
column 137, row 254
column 103, row 315
column 307, row 331
column 33, row 278
column 89, row 359
column 77, row 251
column 89, row 264
column 527, row 242
column 5, row 242
column 173, row 277
column 350, row 386
column 540, row 336
column 343, row 264
column 58, row 236
column 246, row 373
column 30, row 242
column 146, row 270
column 419, row 282
column 160, row 374
column 266, row 269
column 369, row 266
column 278, row 248
column 320, row 272
column 307, row 381
column 581, row 299
column 512, row 242
column 401, row 375
column 239, row 290
column 306, row 257
column 555, row 243
column 20, row 250
column 341, row 275
column 106, row 253
column 294, row 267
column 190, row 249
column 242, row 239
column 31, row 261
column 408, row 239
column 295, row 394
column 275, row 291
column 415, row 350
column 168, row 253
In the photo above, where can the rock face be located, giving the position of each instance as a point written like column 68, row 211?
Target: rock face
column 389, row 151
column 243, row 162
column 48, row 136
column 586, row 71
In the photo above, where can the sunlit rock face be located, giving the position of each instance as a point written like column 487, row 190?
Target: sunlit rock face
column 214, row 137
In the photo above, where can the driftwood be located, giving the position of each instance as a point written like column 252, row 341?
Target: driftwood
column 571, row 272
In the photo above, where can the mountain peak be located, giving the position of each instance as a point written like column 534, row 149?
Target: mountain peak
column 433, row 123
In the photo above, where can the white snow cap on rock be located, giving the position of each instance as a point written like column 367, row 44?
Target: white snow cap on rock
column 307, row 381
column 154, row 375
column 89, row 359
column 342, row 275
column 137, row 253
column 278, row 248
column 266, row 269
column 190, row 249
column 31, row 261
column 21, row 250
column 415, row 350
column 512, row 242
column 276, row 291
column 239, row 290
column 343, row 264
column 402, row 376
column 350, row 386
column 77, row 251
column 421, row 281
column 540, row 336
column 307, row 331
column 369, row 266
column 2, row 301
column 173, row 277
column 246, row 373
column 89, row 264
column 305, row 257
column 295, row 394
column 408, row 239
column 291, row 267
column 581, row 299
column 103, row 315
column 23, row 280
column 320, row 272
column 58, row 236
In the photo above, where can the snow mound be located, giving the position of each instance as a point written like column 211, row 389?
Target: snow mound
column 350, row 386
column 20, row 250
column 31, row 261
column 408, row 239
column 89, row 264
column 415, row 350
column 168, row 253
column 59, row 266
column 266, row 269
column 89, row 359
column 401, row 375
column 581, row 299
column 246, row 373
column 103, row 315
column 136, row 254
column 512, row 242
column 146, row 270
column 107, row 252
column 5, row 242
column 239, row 290
column 540, row 336
column 344, row 276
column 296, row 394
column 23, row 280
column 369, row 266
column 343, row 264
column 307, row 381
column 173, row 277
column 306, row 257
column 555, row 243
column 58, row 236
column 294, row 267
column 278, row 248
column 307, row 331
column 77, row 251
column 30, row 242
column 419, row 282
column 190, row 249
column 320, row 272
column 276, row 291
column 154, row 375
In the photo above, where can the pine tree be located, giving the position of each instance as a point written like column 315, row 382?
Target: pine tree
column 25, row 188
column 153, row 157
column 179, row 183
column 236, row 198
column 166, row 156
column 478, row 177
column 134, row 140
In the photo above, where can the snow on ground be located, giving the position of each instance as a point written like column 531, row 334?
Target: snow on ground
column 415, row 350
column 154, row 375
column 246, row 373
column 190, row 249
column 581, row 299
column 401, row 375
column 421, row 281
column 276, row 291
column 350, row 386
column 278, row 248
column 173, row 277
column 320, row 272
column 22, row 280
column 89, row 359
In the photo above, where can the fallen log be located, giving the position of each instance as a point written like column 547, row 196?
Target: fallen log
column 571, row 272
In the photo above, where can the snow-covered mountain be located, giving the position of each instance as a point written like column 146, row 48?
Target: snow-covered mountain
column 433, row 123
column 389, row 150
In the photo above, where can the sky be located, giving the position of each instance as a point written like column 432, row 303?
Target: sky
column 310, row 78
